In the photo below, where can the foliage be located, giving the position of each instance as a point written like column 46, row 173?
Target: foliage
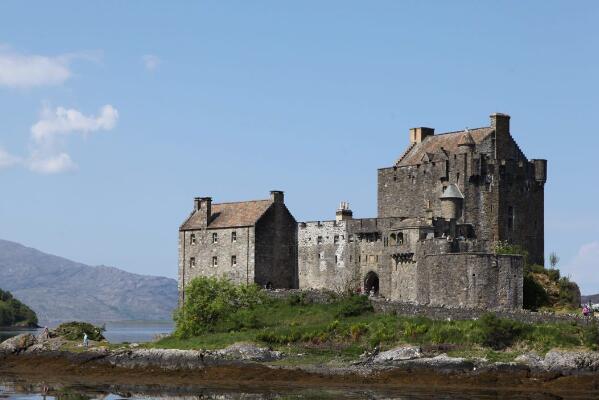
column 15, row 313
column 535, row 295
column 75, row 330
column 553, row 260
column 216, row 303
column 591, row 336
column 504, row 247
column 499, row 333
column 354, row 305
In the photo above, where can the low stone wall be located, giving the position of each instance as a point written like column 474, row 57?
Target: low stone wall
column 456, row 313
column 436, row 312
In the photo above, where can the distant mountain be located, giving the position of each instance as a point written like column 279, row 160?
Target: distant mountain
column 58, row 289
column 593, row 297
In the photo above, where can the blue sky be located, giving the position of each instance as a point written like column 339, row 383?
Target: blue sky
column 116, row 114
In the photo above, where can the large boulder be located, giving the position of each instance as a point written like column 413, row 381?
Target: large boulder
column 17, row 343
column 571, row 361
column 398, row 354
column 249, row 352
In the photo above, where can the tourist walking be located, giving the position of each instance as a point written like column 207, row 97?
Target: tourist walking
column 85, row 340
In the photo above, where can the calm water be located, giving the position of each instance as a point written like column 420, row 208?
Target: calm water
column 12, row 390
column 118, row 332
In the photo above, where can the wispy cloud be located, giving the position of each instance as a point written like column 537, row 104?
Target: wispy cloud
column 47, row 153
column 62, row 121
column 151, row 61
column 584, row 268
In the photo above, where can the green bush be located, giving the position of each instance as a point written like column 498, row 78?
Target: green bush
column 535, row 295
column 213, row 303
column 591, row 336
column 298, row 299
column 75, row 330
column 353, row 305
column 499, row 333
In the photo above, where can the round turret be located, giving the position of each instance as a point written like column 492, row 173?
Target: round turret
column 451, row 202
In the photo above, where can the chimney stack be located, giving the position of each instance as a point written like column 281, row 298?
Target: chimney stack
column 501, row 123
column 343, row 212
column 203, row 205
column 417, row 135
column 277, row 196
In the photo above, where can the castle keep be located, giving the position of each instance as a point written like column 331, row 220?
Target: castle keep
column 442, row 207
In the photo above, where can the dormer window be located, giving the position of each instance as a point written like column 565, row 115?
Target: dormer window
column 233, row 237
column 192, row 239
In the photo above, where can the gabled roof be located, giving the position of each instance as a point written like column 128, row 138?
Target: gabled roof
column 229, row 215
column 446, row 142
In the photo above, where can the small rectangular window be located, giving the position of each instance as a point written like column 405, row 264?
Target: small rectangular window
column 336, row 239
column 215, row 261
column 233, row 261
column 233, row 236
column 335, row 259
column 319, row 240
column 192, row 239
column 192, row 262
column 215, row 237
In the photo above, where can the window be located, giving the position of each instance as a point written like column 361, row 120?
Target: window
column 215, row 261
column 336, row 260
column 233, row 237
column 336, row 239
column 215, row 237
column 510, row 218
column 350, row 258
column 192, row 239
column 320, row 256
column 192, row 262
column 319, row 240
column 233, row 261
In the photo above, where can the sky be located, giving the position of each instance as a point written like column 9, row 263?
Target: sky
column 116, row 114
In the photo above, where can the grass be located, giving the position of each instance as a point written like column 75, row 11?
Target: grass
column 342, row 330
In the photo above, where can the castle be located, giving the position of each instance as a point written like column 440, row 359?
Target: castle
column 442, row 207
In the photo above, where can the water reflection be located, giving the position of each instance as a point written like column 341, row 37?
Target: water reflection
column 21, row 390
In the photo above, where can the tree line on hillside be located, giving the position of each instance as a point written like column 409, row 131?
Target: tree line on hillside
column 15, row 313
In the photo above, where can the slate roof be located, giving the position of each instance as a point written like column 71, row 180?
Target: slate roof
column 452, row 192
column 447, row 141
column 229, row 215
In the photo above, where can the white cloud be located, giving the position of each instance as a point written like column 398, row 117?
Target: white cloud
column 23, row 71
column 65, row 121
column 151, row 61
column 7, row 160
column 51, row 164
column 584, row 268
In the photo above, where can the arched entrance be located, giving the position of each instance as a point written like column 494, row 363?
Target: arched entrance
column 371, row 283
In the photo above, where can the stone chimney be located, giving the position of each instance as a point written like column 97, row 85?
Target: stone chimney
column 417, row 135
column 203, row 205
column 277, row 196
column 343, row 212
column 500, row 122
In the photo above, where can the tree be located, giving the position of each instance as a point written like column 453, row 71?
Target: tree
column 553, row 260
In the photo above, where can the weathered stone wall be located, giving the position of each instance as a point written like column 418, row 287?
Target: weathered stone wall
column 276, row 248
column 476, row 280
column 224, row 249
column 327, row 256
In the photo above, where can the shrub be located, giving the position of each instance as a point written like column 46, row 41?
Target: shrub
column 590, row 335
column 414, row 329
column 216, row 302
column 499, row 333
column 535, row 295
column 357, row 330
column 353, row 305
column 13, row 312
column 504, row 247
column 298, row 299
column 75, row 330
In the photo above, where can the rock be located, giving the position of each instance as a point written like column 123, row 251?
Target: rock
column 17, row 343
column 445, row 363
column 532, row 359
column 249, row 352
column 571, row 361
column 398, row 354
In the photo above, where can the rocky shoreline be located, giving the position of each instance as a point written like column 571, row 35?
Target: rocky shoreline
column 244, row 363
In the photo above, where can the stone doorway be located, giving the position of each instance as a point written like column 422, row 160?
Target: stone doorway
column 371, row 283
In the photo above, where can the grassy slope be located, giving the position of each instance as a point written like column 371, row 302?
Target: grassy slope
column 320, row 333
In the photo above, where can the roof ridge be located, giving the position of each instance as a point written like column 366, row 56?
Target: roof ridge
column 461, row 131
column 239, row 202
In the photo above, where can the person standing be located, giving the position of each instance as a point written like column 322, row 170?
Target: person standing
column 85, row 340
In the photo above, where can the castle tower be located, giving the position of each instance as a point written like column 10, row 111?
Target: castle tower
column 451, row 202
